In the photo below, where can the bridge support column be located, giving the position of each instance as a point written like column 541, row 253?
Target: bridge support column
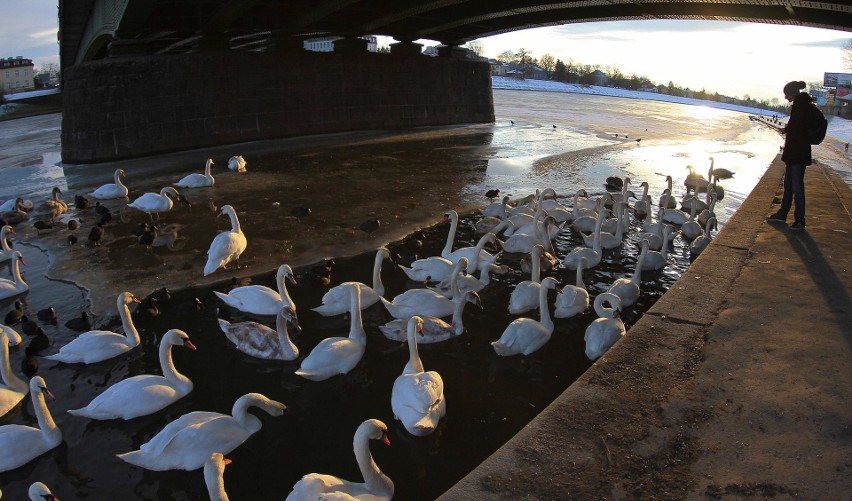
column 350, row 45
column 406, row 48
column 453, row 51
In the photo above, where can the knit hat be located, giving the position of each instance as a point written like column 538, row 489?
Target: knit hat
column 793, row 88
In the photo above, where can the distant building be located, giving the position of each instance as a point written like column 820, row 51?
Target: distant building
column 498, row 69
column 16, row 75
column 327, row 44
column 598, row 78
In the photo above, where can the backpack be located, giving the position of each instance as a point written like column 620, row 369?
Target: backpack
column 818, row 126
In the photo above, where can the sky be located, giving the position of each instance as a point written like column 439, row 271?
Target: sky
column 732, row 58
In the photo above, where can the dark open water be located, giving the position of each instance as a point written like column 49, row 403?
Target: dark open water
column 489, row 398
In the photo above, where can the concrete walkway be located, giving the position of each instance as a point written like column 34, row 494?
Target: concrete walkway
column 737, row 384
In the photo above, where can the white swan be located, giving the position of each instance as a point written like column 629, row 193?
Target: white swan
column 14, row 337
column 606, row 330
column 260, row 341
column 155, row 203
column 655, row 260
column 643, row 206
column 525, row 294
column 699, row 244
column 476, row 256
column 434, row 329
column 196, row 180
column 227, row 246
column 497, row 209
column 338, row 355
column 593, row 255
column 627, row 289
column 145, row 393
column 21, row 444
column 6, row 250
column 214, row 469
column 40, row 492
column 467, row 282
column 96, row 345
column 111, row 190
column 376, row 486
column 609, row 240
column 13, row 389
column 9, row 288
column 17, row 203
column 430, row 269
column 690, row 230
column 417, row 397
column 574, row 299
column 187, row 442
column 674, row 216
column 667, row 200
column 337, row 299
column 425, row 301
column 525, row 335
column 709, row 211
column 260, row 299
column 237, row 163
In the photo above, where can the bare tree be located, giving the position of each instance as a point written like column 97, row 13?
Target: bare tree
column 476, row 47
column 506, row 56
column 847, row 54
column 548, row 62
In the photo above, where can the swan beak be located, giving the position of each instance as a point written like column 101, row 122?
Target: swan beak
column 559, row 290
column 294, row 323
column 385, row 439
column 292, row 279
column 48, row 393
column 616, row 313
column 12, row 231
column 135, row 299
column 23, row 261
column 227, row 461
column 188, row 344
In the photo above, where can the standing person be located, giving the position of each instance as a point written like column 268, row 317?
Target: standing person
column 797, row 155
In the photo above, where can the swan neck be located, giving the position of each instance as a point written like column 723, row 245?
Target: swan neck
column 235, row 223
column 283, row 333
column 16, row 273
column 4, row 243
column 8, row 376
column 375, row 480
column 168, row 366
column 216, row 486
column 457, row 321
column 414, row 362
column 637, row 273
column 45, row 419
column 356, row 327
column 130, row 332
column 451, row 236
column 579, row 281
column 378, row 285
column 542, row 305
column 240, row 413
column 536, row 266
column 282, row 287
column 207, row 169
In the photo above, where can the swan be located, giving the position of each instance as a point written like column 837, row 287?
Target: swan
column 643, row 206
column 196, row 180
column 95, row 345
column 430, row 269
column 522, row 242
column 337, row 299
column 21, row 444
column 14, row 337
column 16, row 204
column 657, row 260
column 667, row 200
column 717, row 188
column 692, row 201
column 709, row 211
column 525, row 294
column 593, row 255
column 690, row 230
column 609, row 240
column 699, row 244
column 187, row 442
column 40, row 492
column 155, row 203
column 468, row 282
column 111, row 190
column 15, row 215
column 6, row 250
column 675, row 216
column 214, row 469
column 720, row 173
column 260, row 341
column 9, row 288
column 55, row 205
column 259, row 299
column 653, row 232
column 574, row 299
column 525, row 335
column 227, row 246
column 695, row 181
column 587, row 219
column 338, row 355
column 237, row 163
column 426, row 301
column 13, row 389
column 434, row 329
column 497, row 209
column 476, row 256
column 145, row 393
column 376, row 486
column 624, row 194
column 417, row 397
column 605, row 331
column 627, row 289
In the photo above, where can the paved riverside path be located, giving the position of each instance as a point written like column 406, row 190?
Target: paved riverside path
column 737, row 384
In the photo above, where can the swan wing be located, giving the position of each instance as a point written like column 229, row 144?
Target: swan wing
column 336, row 300
column 20, row 444
column 524, row 297
column 522, row 336
column 334, row 355
column 195, row 181
column 253, row 339
column 91, row 347
column 257, row 299
column 133, row 397
column 316, row 486
column 433, row 268
column 226, row 247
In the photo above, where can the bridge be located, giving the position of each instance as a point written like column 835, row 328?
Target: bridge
column 148, row 76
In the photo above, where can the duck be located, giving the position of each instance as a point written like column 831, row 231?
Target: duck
column 338, row 355
column 337, row 299
column 97, row 345
column 593, row 255
column 196, row 180
column 40, row 225
column 148, row 236
column 614, row 183
column 524, row 335
column 55, row 205
column 28, row 326
column 434, row 330
column 6, row 250
column 38, row 343
column 29, row 364
column 417, row 396
column 155, row 203
column 259, row 299
column 187, row 442
column 111, row 190
column 143, row 394
column 79, row 324
column 17, row 203
column 376, row 486
column 14, row 315
column 574, row 299
column 47, row 315
column 238, row 164
column 227, row 246
column 259, row 341
column 96, row 234
column 524, row 296
column 14, row 338
column 690, row 230
column 657, row 260
column 720, row 173
column 699, row 244
column 425, row 301
column 13, row 389
column 21, row 444
column 627, row 289
column 81, row 202
column 40, row 492
column 214, row 470
column 477, row 257
column 146, row 310
column 606, row 330
column 370, row 225
column 10, row 288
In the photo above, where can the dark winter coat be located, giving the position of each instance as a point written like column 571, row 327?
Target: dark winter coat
column 797, row 145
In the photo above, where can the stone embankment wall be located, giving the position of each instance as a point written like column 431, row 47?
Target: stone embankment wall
column 131, row 107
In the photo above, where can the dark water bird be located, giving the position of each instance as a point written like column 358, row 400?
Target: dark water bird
column 492, row 194
column 191, row 307
column 72, row 239
column 614, row 183
column 28, row 326
column 80, row 324
column 321, row 274
column 29, row 365
column 625, row 136
column 147, row 309
column 147, row 238
column 14, row 316
column 185, row 200
column 554, row 126
column 370, row 225
column 101, row 209
column 42, row 225
column 47, row 315
column 73, row 224
column 616, row 135
column 300, row 212
column 140, row 229
column 512, row 122
column 639, row 140
column 162, row 295
column 81, row 202
column 105, row 218
column 97, row 234
column 38, row 343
